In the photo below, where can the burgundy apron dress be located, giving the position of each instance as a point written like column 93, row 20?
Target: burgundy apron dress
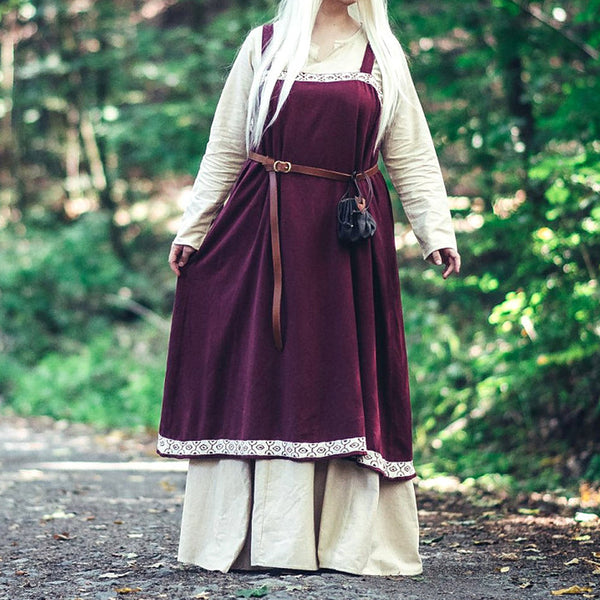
column 339, row 387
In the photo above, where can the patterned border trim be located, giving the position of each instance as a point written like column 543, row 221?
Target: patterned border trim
column 270, row 448
column 390, row 469
column 284, row 449
column 342, row 76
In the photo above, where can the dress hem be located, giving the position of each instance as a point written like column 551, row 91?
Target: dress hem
column 297, row 451
column 258, row 568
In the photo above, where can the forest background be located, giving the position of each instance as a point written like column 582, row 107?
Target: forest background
column 105, row 110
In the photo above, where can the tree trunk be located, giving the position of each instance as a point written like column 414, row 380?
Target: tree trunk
column 9, row 149
column 511, row 34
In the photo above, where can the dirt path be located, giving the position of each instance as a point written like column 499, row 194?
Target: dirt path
column 89, row 515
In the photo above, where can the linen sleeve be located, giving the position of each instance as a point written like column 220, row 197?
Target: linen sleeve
column 410, row 158
column 226, row 149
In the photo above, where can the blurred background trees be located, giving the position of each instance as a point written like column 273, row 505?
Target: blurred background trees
column 105, row 108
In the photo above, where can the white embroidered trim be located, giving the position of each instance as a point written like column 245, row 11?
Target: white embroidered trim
column 343, row 76
column 390, row 469
column 283, row 449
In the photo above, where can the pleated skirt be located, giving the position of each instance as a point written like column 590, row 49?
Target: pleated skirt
column 278, row 513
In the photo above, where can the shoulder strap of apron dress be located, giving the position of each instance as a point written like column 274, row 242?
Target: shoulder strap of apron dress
column 368, row 60
column 267, row 34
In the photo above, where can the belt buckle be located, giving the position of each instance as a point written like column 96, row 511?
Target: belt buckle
column 282, row 166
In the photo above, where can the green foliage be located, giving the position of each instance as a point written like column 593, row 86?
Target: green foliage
column 259, row 592
column 112, row 381
column 521, row 379
column 73, row 343
column 62, row 285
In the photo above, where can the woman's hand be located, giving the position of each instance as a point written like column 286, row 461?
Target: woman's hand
column 179, row 256
column 449, row 257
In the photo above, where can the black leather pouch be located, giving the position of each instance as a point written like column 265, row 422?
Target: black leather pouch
column 355, row 222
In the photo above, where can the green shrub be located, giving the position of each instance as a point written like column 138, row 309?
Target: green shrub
column 113, row 381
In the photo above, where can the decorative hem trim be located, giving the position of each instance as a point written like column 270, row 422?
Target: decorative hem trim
column 368, row 78
column 356, row 446
column 393, row 470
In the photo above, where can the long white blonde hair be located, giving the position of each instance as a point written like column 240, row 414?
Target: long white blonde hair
column 288, row 51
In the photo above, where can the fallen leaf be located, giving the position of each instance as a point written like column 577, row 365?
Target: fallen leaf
column 59, row 514
column 525, row 585
column 465, row 523
column 596, row 572
column 588, row 494
column 573, row 561
column 482, row 542
column 582, row 517
column 490, row 514
column 582, row 538
column 596, row 554
column 20, row 573
column 253, row 593
column 128, row 590
column 118, row 522
column 591, row 562
column 529, row 511
column 504, row 569
column 486, row 502
column 574, row 589
column 62, row 536
column 433, row 540
column 111, row 575
column 202, row 596
column 167, row 486
column 509, row 556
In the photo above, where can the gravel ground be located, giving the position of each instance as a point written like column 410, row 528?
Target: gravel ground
column 95, row 515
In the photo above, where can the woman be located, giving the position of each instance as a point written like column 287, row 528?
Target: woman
column 287, row 381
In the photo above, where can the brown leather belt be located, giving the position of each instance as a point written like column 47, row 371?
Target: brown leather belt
column 273, row 167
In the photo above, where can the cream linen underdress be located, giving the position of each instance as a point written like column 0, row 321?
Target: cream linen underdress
column 277, row 513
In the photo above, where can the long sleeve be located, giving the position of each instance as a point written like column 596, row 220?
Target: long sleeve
column 226, row 148
column 411, row 161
